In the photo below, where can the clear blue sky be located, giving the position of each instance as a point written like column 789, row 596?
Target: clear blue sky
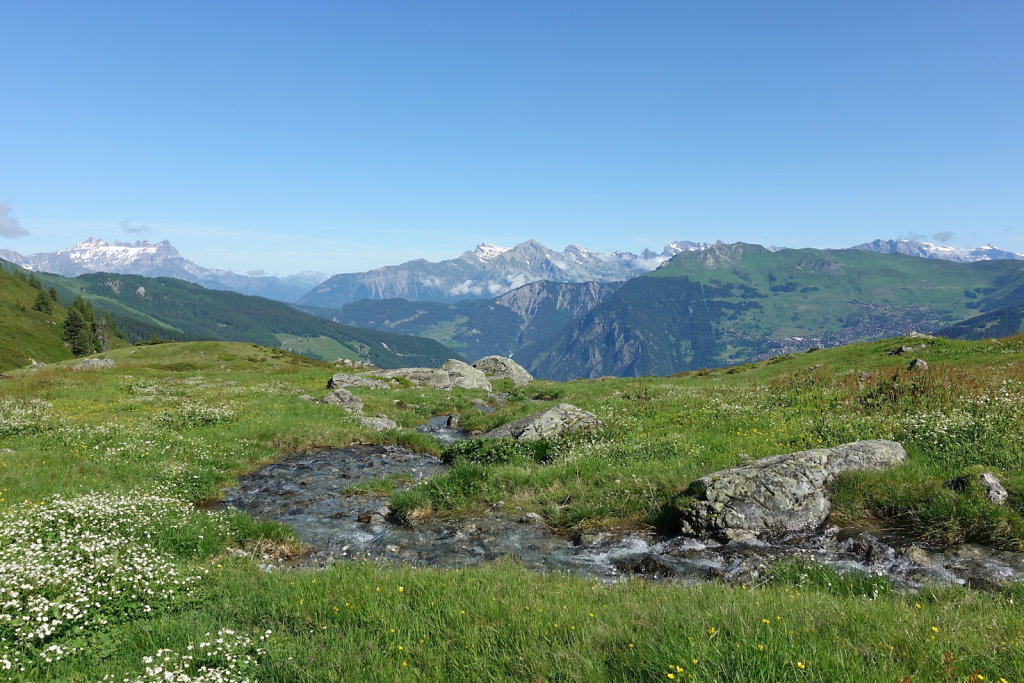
column 340, row 136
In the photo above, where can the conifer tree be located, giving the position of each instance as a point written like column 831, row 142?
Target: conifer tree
column 43, row 303
column 76, row 333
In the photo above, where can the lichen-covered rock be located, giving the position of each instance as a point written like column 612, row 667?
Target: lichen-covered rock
column 94, row 364
column 343, row 380
column 546, row 424
column 344, row 399
column 500, row 367
column 465, row 376
column 994, row 489
column 780, row 493
column 431, row 378
column 917, row 365
column 379, row 423
column 454, row 373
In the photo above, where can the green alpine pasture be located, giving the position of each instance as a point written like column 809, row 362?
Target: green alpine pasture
column 115, row 566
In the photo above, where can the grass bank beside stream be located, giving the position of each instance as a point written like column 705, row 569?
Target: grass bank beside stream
column 105, row 562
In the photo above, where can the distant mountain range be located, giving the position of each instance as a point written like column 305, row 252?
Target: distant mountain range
column 488, row 271
column 727, row 304
column 159, row 260
column 926, row 250
column 480, row 274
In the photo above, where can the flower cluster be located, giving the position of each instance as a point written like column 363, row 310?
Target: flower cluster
column 20, row 416
column 70, row 565
column 195, row 414
column 224, row 657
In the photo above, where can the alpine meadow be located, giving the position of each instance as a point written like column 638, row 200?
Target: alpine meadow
column 467, row 342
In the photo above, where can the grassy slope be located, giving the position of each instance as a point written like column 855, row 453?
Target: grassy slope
column 183, row 419
column 28, row 335
column 179, row 310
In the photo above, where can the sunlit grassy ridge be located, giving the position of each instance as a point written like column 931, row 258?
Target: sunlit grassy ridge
column 174, row 423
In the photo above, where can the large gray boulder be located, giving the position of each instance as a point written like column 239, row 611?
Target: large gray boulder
column 94, row 364
column 431, row 378
column 343, row 380
column 454, row 373
column 344, row 399
column 546, row 424
column 500, row 367
column 379, row 423
column 465, row 376
column 781, row 493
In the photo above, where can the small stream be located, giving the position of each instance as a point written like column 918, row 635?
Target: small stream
column 308, row 491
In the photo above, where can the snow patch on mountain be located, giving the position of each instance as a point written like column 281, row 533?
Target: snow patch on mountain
column 929, row 250
column 488, row 252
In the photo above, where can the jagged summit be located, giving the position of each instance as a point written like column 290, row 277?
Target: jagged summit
column 485, row 251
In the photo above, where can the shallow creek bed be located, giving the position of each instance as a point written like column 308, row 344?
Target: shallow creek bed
column 312, row 492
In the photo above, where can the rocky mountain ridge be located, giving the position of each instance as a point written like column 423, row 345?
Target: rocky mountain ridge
column 488, row 271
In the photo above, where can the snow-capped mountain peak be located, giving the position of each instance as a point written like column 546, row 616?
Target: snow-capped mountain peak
column 487, row 251
column 96, row 255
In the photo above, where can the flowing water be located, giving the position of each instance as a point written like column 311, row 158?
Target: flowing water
column 312, row 492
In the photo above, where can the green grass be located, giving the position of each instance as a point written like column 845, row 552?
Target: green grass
column 176, row 423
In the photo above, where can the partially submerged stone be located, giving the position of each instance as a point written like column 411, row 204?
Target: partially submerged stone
column 546, row 424
column 781, row 493
column 500, row 367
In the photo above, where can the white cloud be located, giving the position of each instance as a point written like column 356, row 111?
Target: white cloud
column 466, row 287
column 9, row 225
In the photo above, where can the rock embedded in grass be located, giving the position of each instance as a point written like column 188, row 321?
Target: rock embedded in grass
column 454, row 374
column 94, row 364
column 344, row 399
column 546, row 424
column 379, row 423
column 343, row 380
column 781, row 493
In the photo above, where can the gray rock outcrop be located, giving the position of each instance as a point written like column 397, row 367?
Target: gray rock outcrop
column 465, row 376
column 343, row 380
column 379, row 423
column 344, row 399
column 94, row 364
column 546, row 424
column 917, row 365
column 500, row 367
column 453, row 374
column 781, row 493
column 431, row 378
column 994, row 489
